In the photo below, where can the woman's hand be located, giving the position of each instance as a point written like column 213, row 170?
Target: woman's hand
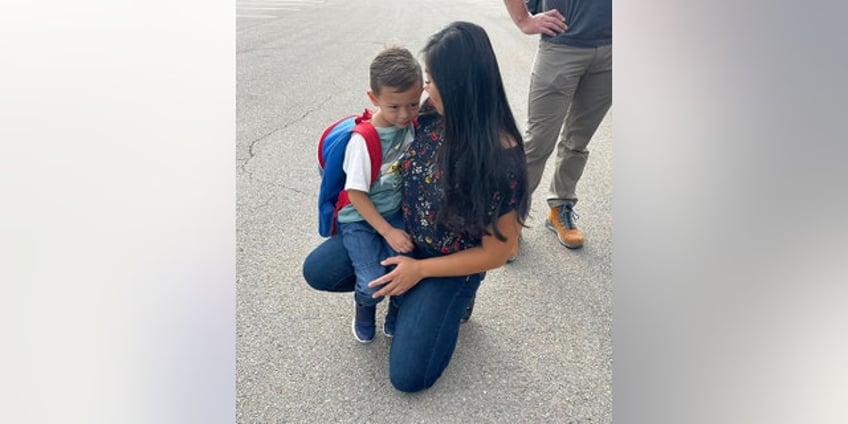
column 406, row 275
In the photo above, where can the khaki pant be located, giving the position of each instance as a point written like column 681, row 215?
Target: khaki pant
column 570, row 93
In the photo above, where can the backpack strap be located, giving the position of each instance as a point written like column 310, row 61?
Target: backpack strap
column 372, row 142
column 366, row 116
column 365, row 128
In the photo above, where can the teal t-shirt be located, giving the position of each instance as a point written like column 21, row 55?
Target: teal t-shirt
column 385, row 192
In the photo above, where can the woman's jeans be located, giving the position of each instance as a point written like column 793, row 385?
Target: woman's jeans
column 366, row 248
column 428, row 317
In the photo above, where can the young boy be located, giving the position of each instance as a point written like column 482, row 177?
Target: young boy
column 371, row 224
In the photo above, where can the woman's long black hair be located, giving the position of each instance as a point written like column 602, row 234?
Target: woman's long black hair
column 473, row 159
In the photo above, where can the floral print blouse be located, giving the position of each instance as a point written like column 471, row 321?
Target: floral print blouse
column 422, row 192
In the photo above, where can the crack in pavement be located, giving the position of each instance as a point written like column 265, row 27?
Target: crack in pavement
column 250, row 147
column 267, row 202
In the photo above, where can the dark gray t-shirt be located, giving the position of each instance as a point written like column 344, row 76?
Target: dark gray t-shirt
column 589, row 22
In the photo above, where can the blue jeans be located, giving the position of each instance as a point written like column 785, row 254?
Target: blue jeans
column 366, row 248
column 428, row 317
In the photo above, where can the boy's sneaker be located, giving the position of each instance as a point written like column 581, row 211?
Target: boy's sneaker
column 561, row 221
column 468, row 310
column 391, row 319
column 363, row 323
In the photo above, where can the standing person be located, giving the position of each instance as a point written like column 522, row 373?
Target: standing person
column 371, row 224
column 570, row 92
column 464, row 201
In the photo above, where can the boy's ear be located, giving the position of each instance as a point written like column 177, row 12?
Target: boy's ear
column 373, row 98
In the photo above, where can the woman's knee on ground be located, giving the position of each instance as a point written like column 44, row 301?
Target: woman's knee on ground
column 410, row 379
column 327, row 267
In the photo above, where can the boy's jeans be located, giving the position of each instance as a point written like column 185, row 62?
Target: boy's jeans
column 366, row 248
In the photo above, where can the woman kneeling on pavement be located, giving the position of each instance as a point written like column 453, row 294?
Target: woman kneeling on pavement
column 464, row 203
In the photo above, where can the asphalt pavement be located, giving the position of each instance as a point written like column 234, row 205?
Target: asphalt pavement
column 539, row 345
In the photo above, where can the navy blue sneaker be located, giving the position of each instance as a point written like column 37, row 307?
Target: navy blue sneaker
column 363, row 323
column 391, row 319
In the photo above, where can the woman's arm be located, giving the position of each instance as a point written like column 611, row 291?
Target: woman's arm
column 491, row 254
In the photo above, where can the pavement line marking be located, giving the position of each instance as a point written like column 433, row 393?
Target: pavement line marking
column 290, row 1
column 277, row 2
column 263, row 3
column 266, row 8
column 260, row 5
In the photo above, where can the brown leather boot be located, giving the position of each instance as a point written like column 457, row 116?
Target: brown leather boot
column 561, row 221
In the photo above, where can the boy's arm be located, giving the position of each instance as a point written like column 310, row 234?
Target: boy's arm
column 360, row 201
column 357, row 167
column 397, row 238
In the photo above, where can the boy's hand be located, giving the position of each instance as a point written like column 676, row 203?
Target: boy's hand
column 399, row 240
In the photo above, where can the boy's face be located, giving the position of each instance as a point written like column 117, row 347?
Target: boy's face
column 396, row 108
